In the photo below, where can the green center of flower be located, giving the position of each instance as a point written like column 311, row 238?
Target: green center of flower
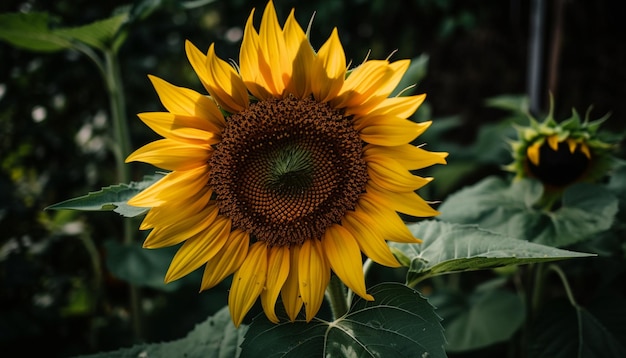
column 287, row 169
column 561, row 167
column 291, row 170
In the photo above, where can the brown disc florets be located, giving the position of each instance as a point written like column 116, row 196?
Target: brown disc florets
column 287, row 169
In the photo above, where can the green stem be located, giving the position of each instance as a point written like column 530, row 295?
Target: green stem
column 565, row 282
column 538, row 288
column 337, row 297
column 87, row 51
column 120, row 125
column 121, row 149
column 367, row 265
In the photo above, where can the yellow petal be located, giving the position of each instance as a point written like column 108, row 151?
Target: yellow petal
column 329, row 70
column 224, row 84
column 172, row 155
column 199, row 249
column 290, row 293
column 398, row 68
column 313, row 276
column 571, row 144
column 390, row 131
column 301, row 57
column 274, row 61
column 585, row 149
column 344, row 256
column 408, row 202
column 390, row 175
column 369, row 84
column 362, row 83
column 169, row 214
column 369, row 240
column 227, row 261
column 402, row 107
column 182, row 128
column 277, row 272
column 249, row 66
column 553, row 142
column 187, row 102
column 532, row 152
column 175, row 186
column 169, row 234
column 409, row 156
column 248, row 282
column 198, row 61
column 390, row 225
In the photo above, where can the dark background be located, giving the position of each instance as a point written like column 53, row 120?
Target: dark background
column 477, row 50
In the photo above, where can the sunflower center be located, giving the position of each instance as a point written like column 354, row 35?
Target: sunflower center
column 561, row 167
column 287, row 169
column 291, row 170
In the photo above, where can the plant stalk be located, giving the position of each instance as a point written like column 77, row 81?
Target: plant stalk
column 121, row 149
column 118, row 114
column 336, row 293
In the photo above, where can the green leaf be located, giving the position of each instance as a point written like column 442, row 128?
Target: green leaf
column 480, row 318
column 81, row 299
column 216, row 337
column 139, row 266
column 563, row 331
column 515, row 103
column 99, row 34
column 449, row 247
column 415, row 73
column 617, row 185
column 587, row 210
column 111, row 198
column 31, row 31
column 399, row 323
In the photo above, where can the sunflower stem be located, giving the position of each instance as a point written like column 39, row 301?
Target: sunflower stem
column 336, row 293
column 565, row 282
column 538, row 288
column 118, row 106
column 121, row 149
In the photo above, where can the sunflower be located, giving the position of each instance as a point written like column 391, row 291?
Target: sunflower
column 561, row 154
column 289, row 169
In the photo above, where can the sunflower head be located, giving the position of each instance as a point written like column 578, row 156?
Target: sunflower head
column 560, row 154
column 286, row 172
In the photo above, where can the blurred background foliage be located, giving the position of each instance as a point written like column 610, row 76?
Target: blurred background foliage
column 61, row 286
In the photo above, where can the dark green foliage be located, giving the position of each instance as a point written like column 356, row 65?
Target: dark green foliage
column 65, row 275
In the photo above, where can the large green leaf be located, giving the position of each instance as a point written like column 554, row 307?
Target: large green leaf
column 494, row 204
column 399, row 323
column 480, row 318
column 111, row 198
column 563, row 331
column 216, row 337
column 139, row 266
column 449, row 247
column 99, row 34
column 34, row 31
column 31, row 32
